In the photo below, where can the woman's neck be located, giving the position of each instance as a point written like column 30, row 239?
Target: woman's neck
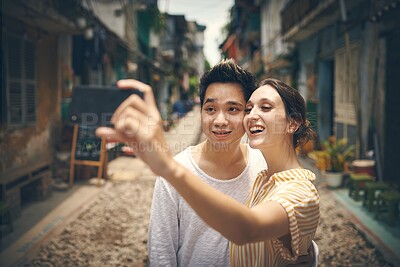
column 280, row 158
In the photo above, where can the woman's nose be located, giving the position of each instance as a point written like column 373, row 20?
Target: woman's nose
column 253, row 114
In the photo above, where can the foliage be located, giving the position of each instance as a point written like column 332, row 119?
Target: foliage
column 334, row 156
column 207, row 65
column 193, row 85
column 157, row 19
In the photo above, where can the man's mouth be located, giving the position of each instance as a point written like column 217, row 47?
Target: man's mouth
column 256, row 129
column 221, row 133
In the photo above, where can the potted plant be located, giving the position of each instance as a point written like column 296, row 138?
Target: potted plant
column 333, row 159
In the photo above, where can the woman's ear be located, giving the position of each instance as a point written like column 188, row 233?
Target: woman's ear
column 293, row 126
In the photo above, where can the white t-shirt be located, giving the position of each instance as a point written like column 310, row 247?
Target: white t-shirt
column 177, row 236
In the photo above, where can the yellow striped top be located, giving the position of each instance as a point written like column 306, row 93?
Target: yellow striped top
column 293, row 190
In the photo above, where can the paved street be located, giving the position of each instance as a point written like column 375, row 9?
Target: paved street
column 112, row 229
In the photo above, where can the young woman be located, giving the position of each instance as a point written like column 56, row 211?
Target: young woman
column 279, row 220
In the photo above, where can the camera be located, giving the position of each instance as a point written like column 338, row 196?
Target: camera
column 94, row 105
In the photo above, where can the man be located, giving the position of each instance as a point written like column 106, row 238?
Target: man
column 177, row 236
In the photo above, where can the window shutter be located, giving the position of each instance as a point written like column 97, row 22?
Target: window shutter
column 15, row 103
column 29, row 60
column 21, row 81
column 14, row 58
column 30, row 85
column 14, row 71
column 30, row 94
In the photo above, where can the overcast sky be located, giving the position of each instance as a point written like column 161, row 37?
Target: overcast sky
column 211, row 13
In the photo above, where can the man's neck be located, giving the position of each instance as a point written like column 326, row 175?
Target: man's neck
column 224, row 154
column 221, row 162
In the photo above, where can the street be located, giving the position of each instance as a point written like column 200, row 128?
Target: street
column 70, row 198
column 112, row 230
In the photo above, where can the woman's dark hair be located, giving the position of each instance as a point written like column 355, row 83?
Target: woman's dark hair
column 295, row 107
column 227, row 71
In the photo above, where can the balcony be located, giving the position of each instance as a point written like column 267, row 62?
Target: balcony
column 303, row 18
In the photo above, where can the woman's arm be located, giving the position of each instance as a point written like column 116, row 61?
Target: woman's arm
column 138, row 123
column 232, row 219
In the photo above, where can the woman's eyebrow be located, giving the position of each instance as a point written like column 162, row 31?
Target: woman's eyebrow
column 267, row 100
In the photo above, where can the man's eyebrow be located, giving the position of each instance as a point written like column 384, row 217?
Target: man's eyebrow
column 234, row 103
column 210, row 100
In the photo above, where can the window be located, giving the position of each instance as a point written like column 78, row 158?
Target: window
column 19, row 82
column 346, row 83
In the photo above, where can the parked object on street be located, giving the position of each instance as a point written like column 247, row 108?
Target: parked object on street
column 366, row 166
column 333, row 159
column 357, row 184
column 334, row 179
column 388, row 201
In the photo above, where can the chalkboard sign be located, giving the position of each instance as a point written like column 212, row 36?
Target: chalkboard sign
column 88, row 149
column 88, row 145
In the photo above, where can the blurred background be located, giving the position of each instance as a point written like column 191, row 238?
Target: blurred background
column 342, row 55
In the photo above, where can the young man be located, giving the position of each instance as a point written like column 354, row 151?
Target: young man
column 177, row 236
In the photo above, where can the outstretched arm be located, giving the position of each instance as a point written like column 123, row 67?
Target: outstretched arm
column 138, row 123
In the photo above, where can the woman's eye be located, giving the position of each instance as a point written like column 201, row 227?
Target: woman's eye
column 265, row 108
column 247, row 110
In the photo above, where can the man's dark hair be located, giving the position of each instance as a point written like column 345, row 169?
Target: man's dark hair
column 227, row 71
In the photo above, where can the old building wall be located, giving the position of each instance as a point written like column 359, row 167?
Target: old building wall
column 30, row 145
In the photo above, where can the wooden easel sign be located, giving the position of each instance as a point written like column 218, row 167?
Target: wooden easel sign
column 89, row 150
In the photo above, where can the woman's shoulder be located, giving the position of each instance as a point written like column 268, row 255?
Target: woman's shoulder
column 295, row 174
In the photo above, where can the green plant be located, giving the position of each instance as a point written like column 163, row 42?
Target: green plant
column 334, row 156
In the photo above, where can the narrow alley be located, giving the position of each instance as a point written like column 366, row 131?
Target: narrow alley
column 111, row 230
column 69, row 197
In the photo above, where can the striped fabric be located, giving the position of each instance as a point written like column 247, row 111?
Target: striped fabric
column 295, row 192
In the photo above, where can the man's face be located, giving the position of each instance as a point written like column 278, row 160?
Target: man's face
column 222, row 113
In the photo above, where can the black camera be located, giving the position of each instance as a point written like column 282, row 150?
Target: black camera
column 95, row 105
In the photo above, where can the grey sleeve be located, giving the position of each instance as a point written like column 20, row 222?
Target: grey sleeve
column 164, row 225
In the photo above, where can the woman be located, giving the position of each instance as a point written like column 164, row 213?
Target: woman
column 280, row 218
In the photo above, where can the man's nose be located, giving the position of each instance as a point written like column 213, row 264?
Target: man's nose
column 221, row 119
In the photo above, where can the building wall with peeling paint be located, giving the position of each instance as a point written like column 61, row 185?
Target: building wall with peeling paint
column 22, row 147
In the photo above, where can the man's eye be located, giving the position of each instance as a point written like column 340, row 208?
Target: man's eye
column 209, row 109
column 233, row 109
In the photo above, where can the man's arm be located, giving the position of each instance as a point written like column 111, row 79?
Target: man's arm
column 164, row 226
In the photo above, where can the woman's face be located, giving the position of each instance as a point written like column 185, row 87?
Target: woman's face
column 265, row 121
column 222, row 113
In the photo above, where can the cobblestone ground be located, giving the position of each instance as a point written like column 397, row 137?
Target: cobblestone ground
column 112, row 231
